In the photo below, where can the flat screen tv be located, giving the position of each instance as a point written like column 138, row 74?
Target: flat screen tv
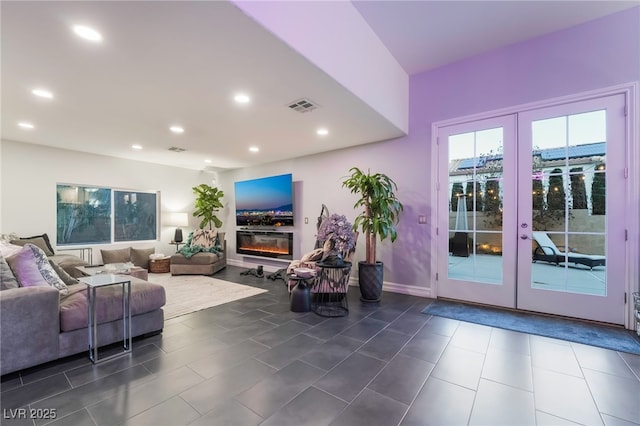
column 266, row 201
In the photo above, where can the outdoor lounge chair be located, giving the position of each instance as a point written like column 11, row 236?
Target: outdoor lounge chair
column 548, row 252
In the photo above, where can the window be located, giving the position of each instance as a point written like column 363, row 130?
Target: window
column 87, row 215
column 135, row 216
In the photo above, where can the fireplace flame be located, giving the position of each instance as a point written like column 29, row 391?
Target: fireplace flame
column 265, row 249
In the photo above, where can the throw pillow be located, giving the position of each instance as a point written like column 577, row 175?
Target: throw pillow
column 7, row 279
column 204, row 237
column 7, row 249
column 116, row 256
column 31, row 267
column 64, row 275
column 41, row 241
column 140, row 257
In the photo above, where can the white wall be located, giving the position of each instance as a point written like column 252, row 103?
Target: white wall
column 29, row 174
column 318, row 180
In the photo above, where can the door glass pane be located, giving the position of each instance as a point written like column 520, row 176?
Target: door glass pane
column 568, row 199
column 475, row 209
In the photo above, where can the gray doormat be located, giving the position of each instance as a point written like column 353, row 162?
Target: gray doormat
column 617, row 339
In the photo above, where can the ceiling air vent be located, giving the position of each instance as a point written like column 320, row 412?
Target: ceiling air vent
column 303, row 105
column 176, row 149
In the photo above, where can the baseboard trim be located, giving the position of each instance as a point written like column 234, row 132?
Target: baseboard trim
column 265, row 265
column 410, row 290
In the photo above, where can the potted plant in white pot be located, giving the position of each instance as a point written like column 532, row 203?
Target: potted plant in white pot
column 380, row 215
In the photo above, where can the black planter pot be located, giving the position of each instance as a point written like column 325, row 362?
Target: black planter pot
column 370, row 280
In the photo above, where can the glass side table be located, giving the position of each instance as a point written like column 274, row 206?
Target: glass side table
column 93, row 283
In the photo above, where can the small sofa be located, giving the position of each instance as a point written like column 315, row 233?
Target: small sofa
column 203, row 263
column 39, row 325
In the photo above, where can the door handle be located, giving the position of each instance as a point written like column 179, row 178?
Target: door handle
column 524, row 237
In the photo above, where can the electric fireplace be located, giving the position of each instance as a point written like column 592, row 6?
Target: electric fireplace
column 271, row 244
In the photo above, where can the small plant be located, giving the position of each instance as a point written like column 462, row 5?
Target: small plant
column 207, row 204
column 337, row 229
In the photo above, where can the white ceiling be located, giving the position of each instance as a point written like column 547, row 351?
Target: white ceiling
column 164, row 63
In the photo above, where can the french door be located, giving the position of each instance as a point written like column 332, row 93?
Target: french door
column 531, row 210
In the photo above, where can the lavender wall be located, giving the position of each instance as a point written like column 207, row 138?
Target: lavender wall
column 594, row 55
column 600, row 53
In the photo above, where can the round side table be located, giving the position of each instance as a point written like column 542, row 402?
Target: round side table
column 300, row 299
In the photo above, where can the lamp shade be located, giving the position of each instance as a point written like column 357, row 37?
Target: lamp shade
column 179, row 219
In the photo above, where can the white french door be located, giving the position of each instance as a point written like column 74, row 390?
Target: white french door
column 531, row 210
column 477, row 211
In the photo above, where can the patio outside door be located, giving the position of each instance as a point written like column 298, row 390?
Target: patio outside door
column 530, row 217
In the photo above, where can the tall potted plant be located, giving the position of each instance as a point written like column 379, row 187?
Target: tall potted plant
column 207, row 204
column 378, row 219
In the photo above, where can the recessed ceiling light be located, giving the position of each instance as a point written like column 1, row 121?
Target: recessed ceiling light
column 322, row 132
column 208, row 161
column 254, row 149
column 26, row 125
column 241, row 98
column 87, row 33
column 136, row 146
column 42, row 93
column 176, row 129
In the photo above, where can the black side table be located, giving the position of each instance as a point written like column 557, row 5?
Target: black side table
column 329, row 291
column 299, row 298
column 177, row 245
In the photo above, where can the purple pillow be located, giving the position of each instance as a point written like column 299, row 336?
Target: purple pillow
column 31, row 268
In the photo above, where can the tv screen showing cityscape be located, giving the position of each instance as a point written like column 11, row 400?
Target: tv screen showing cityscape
column 266, row 201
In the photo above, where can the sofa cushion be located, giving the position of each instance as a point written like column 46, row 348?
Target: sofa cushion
column 7, row 279
column 204, row 238
column 68, row 262
column 7, row 249
column 31, row 268
column 64, row 276
column 202, row 258
column 116, row 256
column 145, row 297
column 140, row 257
column 41, row 241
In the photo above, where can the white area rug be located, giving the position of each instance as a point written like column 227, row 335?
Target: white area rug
column 191, row 293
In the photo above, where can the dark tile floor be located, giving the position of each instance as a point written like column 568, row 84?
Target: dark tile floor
column 254, row 362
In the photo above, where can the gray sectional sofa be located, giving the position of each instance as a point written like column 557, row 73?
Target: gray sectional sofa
column 38, row 325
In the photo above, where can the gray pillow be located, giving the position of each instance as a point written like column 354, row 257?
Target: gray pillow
column 36, row 240
column 7, row 279
column 64, row 276
column 116, row 256
column 140, row 257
